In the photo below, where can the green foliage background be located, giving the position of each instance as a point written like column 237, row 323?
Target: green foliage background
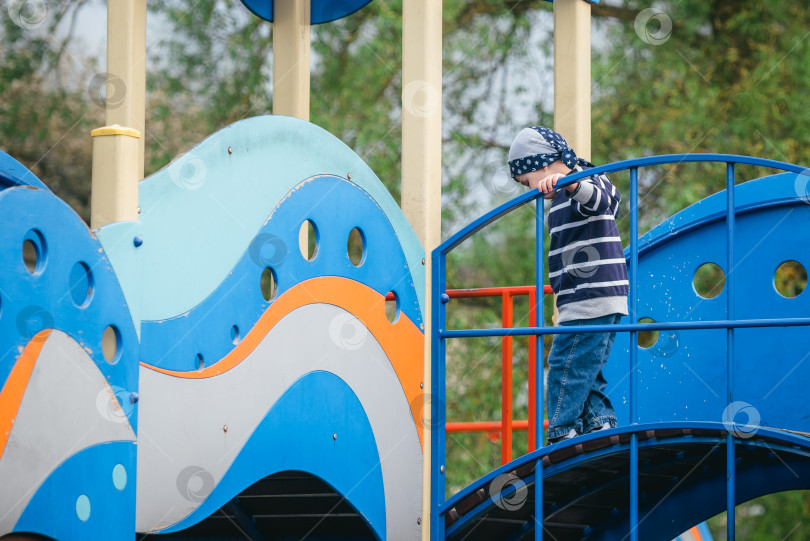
column 730, row 77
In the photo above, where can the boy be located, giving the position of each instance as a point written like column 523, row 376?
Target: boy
column 587, row 271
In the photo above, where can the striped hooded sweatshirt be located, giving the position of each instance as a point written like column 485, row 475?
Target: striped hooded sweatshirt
column 586, row 264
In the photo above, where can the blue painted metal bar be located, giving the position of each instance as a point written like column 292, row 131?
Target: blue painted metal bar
column 633, row 309
column 539, row 280
column 437, row 397
column 522, row 199
column 627, row 327
column 731, row 467
column 768, row 435
column 244, row 521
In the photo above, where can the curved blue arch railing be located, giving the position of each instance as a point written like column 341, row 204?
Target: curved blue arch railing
column 770, row 439
column 439, row 317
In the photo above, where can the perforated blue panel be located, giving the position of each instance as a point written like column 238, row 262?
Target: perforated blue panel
column 58, row 294
column 335, row 206
column 682, row 376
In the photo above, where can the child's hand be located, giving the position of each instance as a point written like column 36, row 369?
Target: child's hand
column 547, row 184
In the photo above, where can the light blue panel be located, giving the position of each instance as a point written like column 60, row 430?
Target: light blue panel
column 43, row 300
column 80, row 499
column 120, row 237
column 297, row 435
column 682, row 377
column 335, row 206
column 200, row 213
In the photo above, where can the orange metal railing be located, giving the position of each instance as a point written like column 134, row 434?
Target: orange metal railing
column 507, row 424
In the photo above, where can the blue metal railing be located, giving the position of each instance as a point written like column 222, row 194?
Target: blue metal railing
column 439, row 333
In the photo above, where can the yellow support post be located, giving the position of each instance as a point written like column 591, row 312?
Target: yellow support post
column 291, row 52
column 421, row 165
column 114, row 196
column 572, row 87
column 118, row 148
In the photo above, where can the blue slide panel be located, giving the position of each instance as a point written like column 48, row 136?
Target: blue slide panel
column 298, row 434
column 89, row 496
column 323, row 200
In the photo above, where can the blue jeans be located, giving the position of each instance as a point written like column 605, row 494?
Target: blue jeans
column 576, row 386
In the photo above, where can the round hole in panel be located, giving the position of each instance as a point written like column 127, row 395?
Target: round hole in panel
column 199, row 362
column 392, row 309
column 308, row 236
column 81, row 284
column 268, row 284
column 111, row 344
column 356, row 247
column 709, row 280
column 34, row 251
column 647, row 339
column 235, row 337
column 790, row 279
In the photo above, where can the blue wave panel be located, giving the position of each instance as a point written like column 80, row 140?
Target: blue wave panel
column 201, row 212
column 72, row 288
column 335, row 206
column 89, row 496
column 297, row 434
column 683, row 375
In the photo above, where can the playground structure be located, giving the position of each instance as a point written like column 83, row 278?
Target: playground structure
column 190, row 368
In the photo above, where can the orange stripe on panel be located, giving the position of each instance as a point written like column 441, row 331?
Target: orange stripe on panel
column 695, row 531
column 12, row 394
column 403, row 341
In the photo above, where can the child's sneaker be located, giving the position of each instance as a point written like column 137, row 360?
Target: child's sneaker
column 571, row 434
column 603, row 427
